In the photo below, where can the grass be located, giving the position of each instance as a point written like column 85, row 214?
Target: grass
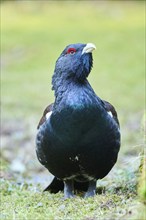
column 116, row 202
column 33, row 34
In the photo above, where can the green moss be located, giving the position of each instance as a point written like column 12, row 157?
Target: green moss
column 142, row 180
column 115, row 201
column 142, row 168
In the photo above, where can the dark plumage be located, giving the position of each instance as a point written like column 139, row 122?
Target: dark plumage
column 78, row 138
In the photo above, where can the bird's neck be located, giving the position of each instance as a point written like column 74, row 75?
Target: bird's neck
column 70, row 94
column 59, row 84
column 62, row 84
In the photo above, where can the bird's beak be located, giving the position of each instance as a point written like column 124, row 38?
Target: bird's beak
column 88, row 48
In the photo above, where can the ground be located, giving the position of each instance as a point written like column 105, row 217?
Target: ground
column 33, row 34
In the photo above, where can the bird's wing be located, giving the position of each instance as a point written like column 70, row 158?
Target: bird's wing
column 47, row 110
column 111, row 111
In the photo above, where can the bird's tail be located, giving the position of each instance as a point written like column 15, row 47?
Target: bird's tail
column 57, row 185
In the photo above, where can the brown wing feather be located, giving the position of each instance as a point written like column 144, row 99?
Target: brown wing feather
column 110, row 108
column 43, row 118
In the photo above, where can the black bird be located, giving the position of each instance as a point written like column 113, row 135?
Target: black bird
column 78, row 136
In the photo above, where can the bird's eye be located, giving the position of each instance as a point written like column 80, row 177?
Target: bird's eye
column 71, row 51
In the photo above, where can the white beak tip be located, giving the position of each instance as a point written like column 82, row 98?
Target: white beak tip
column 89, row 48
column 91, row 45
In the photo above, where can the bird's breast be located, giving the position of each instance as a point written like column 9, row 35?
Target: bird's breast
column 76, row 121
column 80, row 114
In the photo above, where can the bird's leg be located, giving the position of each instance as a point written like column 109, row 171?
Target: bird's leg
column 91, row 189
column 68, row 189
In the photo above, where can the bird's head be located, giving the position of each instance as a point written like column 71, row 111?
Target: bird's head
column 75, row 62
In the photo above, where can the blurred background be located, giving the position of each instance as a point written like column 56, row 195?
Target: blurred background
column 33, row 34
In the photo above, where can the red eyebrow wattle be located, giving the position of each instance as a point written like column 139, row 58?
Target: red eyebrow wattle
column 71, row 50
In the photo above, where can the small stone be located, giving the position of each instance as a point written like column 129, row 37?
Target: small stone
column 62, row 207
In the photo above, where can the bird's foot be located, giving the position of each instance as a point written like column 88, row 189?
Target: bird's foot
column 91, row 189
column 68, row 189
column 69, row 196
column 89, row 194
